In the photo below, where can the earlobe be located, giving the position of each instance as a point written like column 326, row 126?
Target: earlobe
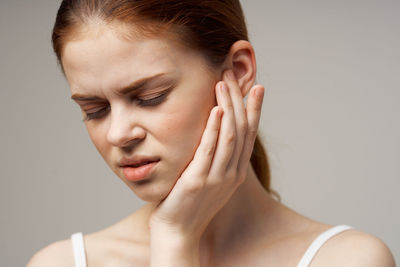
column 243, row 64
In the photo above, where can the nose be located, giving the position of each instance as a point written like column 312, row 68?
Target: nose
column 124, row 129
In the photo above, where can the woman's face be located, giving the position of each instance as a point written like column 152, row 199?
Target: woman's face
column 164, row 117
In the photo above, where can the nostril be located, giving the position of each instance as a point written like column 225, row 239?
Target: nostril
column 125, row 130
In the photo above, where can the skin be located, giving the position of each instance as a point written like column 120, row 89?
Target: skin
column 133, row 130
column 202, row 210
column 95, row 70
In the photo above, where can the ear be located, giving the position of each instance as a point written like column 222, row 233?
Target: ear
column 242, row 61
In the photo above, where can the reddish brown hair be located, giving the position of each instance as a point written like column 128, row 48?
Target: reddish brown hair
column 209, row 26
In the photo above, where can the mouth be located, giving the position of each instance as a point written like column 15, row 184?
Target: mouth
column 139, row 171
column 137, row 161
column 139, row 164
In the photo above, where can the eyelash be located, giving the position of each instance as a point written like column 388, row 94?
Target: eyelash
column 141, row 102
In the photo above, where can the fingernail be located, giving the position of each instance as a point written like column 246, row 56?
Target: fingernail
column 224, row 88
column 220, row 111
column 260, row 92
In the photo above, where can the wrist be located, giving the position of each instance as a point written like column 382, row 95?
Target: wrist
column 171, row 248
column 164, row 236
column 160, row 232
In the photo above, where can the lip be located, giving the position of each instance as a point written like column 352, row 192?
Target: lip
column 136, row 160
column 138, row 167
column 139, row 173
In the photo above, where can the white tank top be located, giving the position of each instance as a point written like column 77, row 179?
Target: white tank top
column 80, row 257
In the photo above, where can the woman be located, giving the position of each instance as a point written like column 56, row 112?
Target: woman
column 161, row 87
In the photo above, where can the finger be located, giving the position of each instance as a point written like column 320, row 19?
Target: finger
column 205, row 151
column 254, row 106
column 227, row 133
column 240, row 117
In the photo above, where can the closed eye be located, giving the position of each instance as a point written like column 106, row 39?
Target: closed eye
column 152, row 101
column 141, row 102
column 96, row 115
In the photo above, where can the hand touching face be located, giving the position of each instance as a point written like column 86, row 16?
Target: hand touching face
column 165, row 118
column 218, row 167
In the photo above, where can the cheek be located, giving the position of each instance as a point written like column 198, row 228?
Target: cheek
column 98, row 138
column 183, row 129
column 183, row 126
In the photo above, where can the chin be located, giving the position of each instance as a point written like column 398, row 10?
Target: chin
column 159, row 185
column 150, row 192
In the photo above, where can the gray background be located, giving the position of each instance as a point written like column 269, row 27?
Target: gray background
column 330, row 121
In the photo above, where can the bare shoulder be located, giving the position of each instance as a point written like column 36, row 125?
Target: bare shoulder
column 58, row 253
column 354, row 248
column 120, row 244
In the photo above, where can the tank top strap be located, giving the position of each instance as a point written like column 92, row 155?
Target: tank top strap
column 318, row 242
column 78, row 249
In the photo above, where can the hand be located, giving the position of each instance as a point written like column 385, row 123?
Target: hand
column 219, row 165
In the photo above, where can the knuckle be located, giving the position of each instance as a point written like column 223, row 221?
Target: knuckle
column 243, row 126
column 252, row 132
column 194, row 186
column 208, row 150
column 230, row 138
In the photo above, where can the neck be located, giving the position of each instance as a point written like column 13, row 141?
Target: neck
column 245, row 217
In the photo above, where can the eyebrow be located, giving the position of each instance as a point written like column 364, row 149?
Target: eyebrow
column 134, row 86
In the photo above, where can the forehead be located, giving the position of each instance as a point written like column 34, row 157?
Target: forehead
column 101, row 58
